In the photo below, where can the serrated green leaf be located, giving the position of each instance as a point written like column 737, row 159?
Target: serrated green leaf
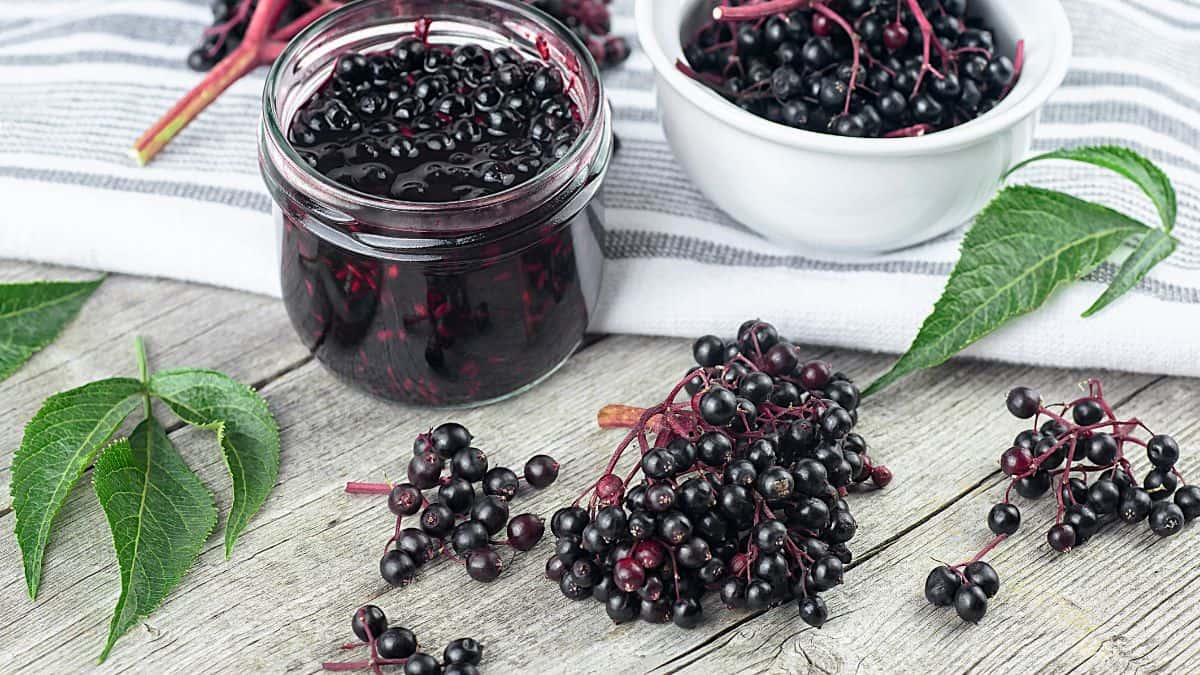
column 1129, row 164
column 1025, row 245
column 59, row 443
column 33, row 314
column 1154, row 248
column 159, row 514
column 245, row 430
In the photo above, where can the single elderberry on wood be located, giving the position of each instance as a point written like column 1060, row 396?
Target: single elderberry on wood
column 471, row 512
column 398, row 646
column 1080, row 449
column 860, row 68
column 744, row 467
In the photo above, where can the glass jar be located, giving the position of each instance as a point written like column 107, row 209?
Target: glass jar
column 446, row 304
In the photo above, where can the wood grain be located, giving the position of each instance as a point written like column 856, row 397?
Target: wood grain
column 282, row 603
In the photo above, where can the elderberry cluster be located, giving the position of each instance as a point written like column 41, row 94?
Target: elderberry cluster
column 742, row 495
column 398, row 646
column 461, row 523
column 874, row 68
column 1079, row 453
column 967, row 587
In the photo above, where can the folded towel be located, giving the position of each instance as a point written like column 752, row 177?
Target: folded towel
column 81, row 79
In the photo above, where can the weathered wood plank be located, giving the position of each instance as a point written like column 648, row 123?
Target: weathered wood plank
column 313, row 535
column 283, row 601
column 1124, row 602
column 244, row 335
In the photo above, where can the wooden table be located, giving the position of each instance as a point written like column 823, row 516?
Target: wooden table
column 1125, row 602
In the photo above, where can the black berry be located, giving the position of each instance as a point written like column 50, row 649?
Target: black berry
column 368, row 619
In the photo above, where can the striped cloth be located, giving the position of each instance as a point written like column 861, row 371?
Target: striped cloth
column 80, row 79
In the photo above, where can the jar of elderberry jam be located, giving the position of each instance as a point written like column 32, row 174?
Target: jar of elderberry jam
column 435, row 167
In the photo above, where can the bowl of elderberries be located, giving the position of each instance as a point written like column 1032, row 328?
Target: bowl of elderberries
column 893, row 119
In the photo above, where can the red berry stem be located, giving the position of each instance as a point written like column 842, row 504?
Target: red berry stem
column 395, row 535
column 982, row 552
column 1018, row 64
column 854, row 49
column 707, row 79
column 638, row 432
column 910, row 132
column 374, row 664
column 259, row 47
column 758, row 10
column 927, row 40
column 620, row 416
column 356, row 488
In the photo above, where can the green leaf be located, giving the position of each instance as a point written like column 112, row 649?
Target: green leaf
column 32, row 315
column 159, row 513
column 1025, row 245
column 1154, row 248
column 59, row 443
column 245, row 430
column 1128, row 163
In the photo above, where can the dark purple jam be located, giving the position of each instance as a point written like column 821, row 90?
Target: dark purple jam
column 432, row 336
column 436, row 123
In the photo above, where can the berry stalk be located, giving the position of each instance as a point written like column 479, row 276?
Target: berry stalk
column 758, row 10
column 1018, row 66
column 357, row 488
column 926, row 40
column 909, row 132
column 259, row 47
column 619, row 416
column 854, row 50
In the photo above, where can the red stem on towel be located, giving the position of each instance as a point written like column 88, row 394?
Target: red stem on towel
column 259, row 47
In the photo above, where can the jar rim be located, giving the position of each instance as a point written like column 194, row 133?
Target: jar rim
column 589, row 72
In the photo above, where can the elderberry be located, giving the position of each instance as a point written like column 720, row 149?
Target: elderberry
column 422, row 664
column 368, row 621
column 984, row 576
column 742, row 491
column 1187, row 498
column 1004, row 519
column 970, row 602
column 397, row 643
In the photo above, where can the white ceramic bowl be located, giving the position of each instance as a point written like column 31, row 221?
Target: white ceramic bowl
column 806, row 190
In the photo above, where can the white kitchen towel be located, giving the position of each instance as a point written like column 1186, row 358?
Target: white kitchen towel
column 81, row 79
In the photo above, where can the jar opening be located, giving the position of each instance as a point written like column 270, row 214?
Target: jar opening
column 373, row 25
